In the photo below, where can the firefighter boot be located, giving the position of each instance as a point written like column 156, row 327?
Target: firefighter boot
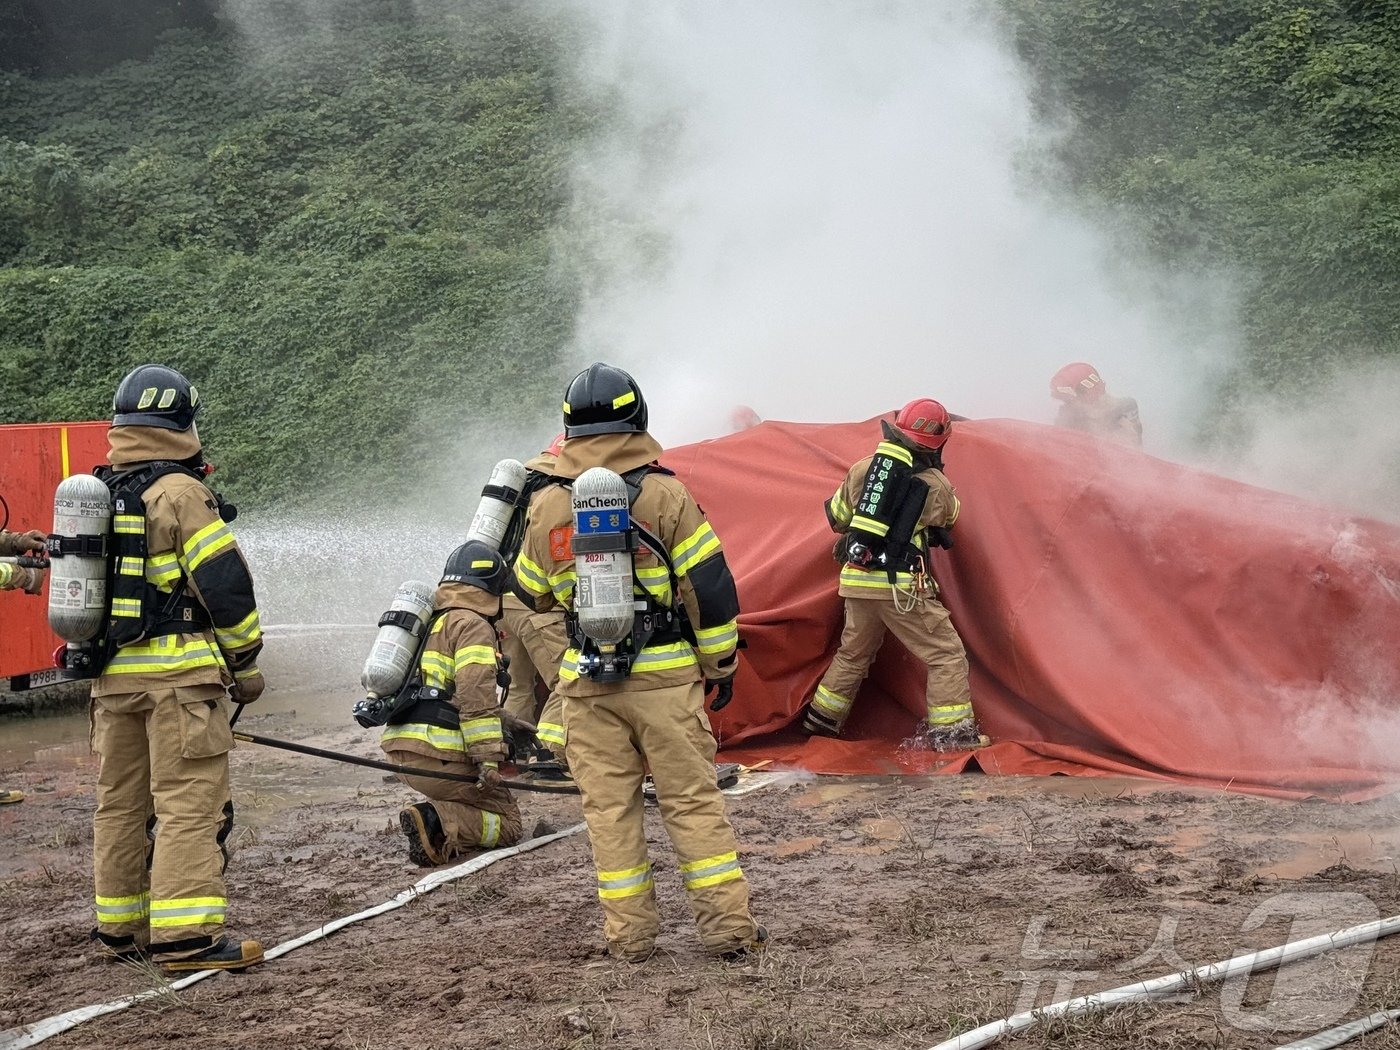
column 958, row 736
column 223, row 954
column 8, row 795
column 744, row 952
column 423, row 830
column 118, row 949
column 815, row 723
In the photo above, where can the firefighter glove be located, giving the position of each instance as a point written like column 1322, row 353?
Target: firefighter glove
column 248, row 685
column 724, row 691
column 488, row 776
column 33, row 540
column 939, row 536
column 31, row 581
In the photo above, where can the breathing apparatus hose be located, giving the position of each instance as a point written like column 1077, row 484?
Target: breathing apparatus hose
column 542, row 787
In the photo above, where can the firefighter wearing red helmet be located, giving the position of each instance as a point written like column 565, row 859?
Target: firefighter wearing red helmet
column 890, row 508
column 1087, row 405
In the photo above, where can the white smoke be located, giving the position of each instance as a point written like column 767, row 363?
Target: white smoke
column 824, row 210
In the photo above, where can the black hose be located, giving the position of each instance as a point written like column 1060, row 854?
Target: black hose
column 354, row 760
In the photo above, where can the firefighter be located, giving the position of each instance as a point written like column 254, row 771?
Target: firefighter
column 652, row 712
column 534, row 642
column 15, row 577
column 455, row 726
column 889, row 508
column 184, row 632
column 1086, row 405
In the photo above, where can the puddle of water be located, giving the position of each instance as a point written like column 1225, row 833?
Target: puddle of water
column 1321, row 850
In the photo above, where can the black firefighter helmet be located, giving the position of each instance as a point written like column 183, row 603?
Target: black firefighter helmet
column 604, row 400
column 476, row 564
column 155, row 396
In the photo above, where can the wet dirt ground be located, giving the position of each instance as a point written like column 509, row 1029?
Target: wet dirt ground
column 901, row 912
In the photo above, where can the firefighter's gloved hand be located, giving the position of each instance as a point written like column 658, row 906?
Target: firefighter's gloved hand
column 724, row 692
column 248, row 685
column 31, row 581
column 33, row 540
column 488, row 776
column 939, row 536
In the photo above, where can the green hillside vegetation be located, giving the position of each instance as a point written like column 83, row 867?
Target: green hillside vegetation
column 344, row 232
column 1263, row 135
column 342, row 238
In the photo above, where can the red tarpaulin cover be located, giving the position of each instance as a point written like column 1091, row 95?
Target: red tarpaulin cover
column 1122, row 615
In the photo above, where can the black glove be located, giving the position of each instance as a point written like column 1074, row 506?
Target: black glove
column 724, row 691
column 938, row 536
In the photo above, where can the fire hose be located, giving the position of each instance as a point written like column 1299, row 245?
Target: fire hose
column 560, row 788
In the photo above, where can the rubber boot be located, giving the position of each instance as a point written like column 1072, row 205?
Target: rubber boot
column 426, row 839
column 223, row 954
column 118, row 949
column 743, row 952
column 960, row 736
column 10, row 795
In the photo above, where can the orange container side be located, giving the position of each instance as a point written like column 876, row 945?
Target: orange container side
column 34, row 458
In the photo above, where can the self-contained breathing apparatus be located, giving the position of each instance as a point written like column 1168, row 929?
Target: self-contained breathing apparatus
column 99, row 597
column 884, row 526
column 614, row 616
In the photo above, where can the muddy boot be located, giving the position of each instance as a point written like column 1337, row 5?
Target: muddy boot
column 959, row 736
column 745, row 952
column 814, row 723
column 425, row 836
column 9, row 795
column 223, row 954
column 118, row 949
column 544, row 764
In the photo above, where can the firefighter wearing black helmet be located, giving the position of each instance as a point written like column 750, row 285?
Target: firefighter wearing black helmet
column 654, row 716
column 183, row 633
column 455, row 726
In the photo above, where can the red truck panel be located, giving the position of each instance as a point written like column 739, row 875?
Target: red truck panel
column 34, row 458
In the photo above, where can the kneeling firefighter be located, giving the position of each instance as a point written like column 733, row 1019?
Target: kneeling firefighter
column 534, row 642
column 448, row 720
column 653, row 618
column 178, row 631
column 889, row 509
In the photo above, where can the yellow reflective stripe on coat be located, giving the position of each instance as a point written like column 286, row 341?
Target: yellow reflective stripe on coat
column 206, row 543
column 475, row 654
column 871, row 525
column 711, row 871
column 694, row 549
column 126, row 607
column 653, row 658
column 188, row 911
column 552, row 733
column 245, row 632
column 876, row 578
column 840, row 509
column 163, row 570
column 953, row 518
column 626, row 883
column 123, row 909
column 436, row 736
column 899, row 452
column 834, row 703
column 562, row 584
column 162, row 654
column 949, row 713
column 656, row 581
column 490, row 828
column 482, row 730
column 712, row 640
column 530, row 575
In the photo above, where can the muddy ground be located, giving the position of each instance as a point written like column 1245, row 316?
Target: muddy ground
column 901, row 912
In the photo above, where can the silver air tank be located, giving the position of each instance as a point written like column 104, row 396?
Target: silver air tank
column 497, row 505
column 391, row 658
column 602, row 550
column 82, row 514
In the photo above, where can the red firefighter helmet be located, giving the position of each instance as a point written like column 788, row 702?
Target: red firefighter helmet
column 1077, row 380
column 556, row 446
column 925, row 422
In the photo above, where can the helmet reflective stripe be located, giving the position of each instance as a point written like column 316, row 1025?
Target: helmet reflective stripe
column 148, row 396
column 624, row 399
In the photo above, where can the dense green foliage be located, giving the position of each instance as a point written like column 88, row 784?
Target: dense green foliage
column 1259, row 134
column 340, row 233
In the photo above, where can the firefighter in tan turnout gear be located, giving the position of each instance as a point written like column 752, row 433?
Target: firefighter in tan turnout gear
column 639, row 700
column 1087, row 405
column 534, row 642
column 183, row 632
column 16, row 577
column 888, row 509
column 453, row 724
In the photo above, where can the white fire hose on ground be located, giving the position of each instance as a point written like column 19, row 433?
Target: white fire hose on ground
column 1147, row 991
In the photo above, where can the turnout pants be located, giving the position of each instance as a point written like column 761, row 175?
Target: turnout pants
column 926, row 631
column 471, row 818
column 535, row 643
column 165, row 752
column 612, row 738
